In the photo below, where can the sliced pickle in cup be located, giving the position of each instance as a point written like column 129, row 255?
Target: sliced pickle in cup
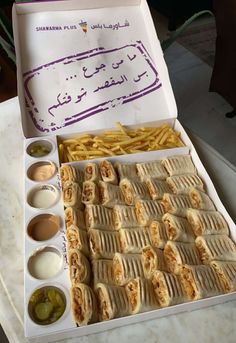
column 39, row 148
column 43, row 310
column 46, row 305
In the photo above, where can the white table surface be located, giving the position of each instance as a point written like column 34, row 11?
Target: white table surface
column 213, row 324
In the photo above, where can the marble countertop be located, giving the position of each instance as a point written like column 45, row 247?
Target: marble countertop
column 213, row 324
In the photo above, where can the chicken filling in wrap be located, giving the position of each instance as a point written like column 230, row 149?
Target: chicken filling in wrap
column 132, row 288
column 88, row 192
column 79, row 305
column 73, row 238
column 117, row 270
column 188, row 283
column 77, row 268
column 161, row 290
column 128, row 193
column 172, row 233
column 102, row 305
column 94, row 244
column 203, row 252
column 149, row 261
column 170, row 258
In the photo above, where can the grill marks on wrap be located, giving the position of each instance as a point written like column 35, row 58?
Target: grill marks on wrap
column 177, row 228
column 202, row 279
column 207, row 222
column 177, row 254
column 141, row 295
column 153, row 259
column 98, row 217
column 157, row 188
column 216, row 247
column 176, row 204
column 112, row 301
column 158, row 234
column 169, row 288
column 181, row 184
column 133, row 190
column 110, row 195
column 226, row 271
column 124, row 216
column 104, row 244
column 102, row 271
column 179, row 165
column 134, row 239
column 153, row 169
column 127, row 267
column 148, row 210
column 174, row 286
column 133, row 205
column 200, row 200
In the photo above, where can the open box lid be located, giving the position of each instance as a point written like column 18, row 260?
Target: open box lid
column 85, row 65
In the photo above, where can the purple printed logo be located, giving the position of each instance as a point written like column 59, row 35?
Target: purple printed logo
column 73, row 88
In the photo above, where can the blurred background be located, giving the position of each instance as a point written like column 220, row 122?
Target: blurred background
column 173, row 12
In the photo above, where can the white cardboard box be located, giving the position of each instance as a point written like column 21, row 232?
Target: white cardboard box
column 83, row 66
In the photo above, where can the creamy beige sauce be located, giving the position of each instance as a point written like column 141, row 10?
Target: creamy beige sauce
column 45, row 264
column 42, row 171
column 43, row 198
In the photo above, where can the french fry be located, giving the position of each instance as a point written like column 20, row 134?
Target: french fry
column 106, row 151
column 121, row 127
column 118, row 142
column 87, row 152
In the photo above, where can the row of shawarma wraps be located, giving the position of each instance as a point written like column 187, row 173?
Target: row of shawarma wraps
column 142, row 236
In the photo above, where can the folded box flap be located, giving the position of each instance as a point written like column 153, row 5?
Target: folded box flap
column 86, row 68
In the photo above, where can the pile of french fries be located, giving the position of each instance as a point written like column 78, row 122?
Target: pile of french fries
column 118, row 142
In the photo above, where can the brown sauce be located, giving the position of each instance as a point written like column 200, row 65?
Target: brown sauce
column 43, row 227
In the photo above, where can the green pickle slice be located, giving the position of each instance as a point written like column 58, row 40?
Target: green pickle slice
column 60, row 300
column 56, row 315
column 39, row 151
column 52, row 296
column 43, row 310
column 48, row 305
column 37, row 296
